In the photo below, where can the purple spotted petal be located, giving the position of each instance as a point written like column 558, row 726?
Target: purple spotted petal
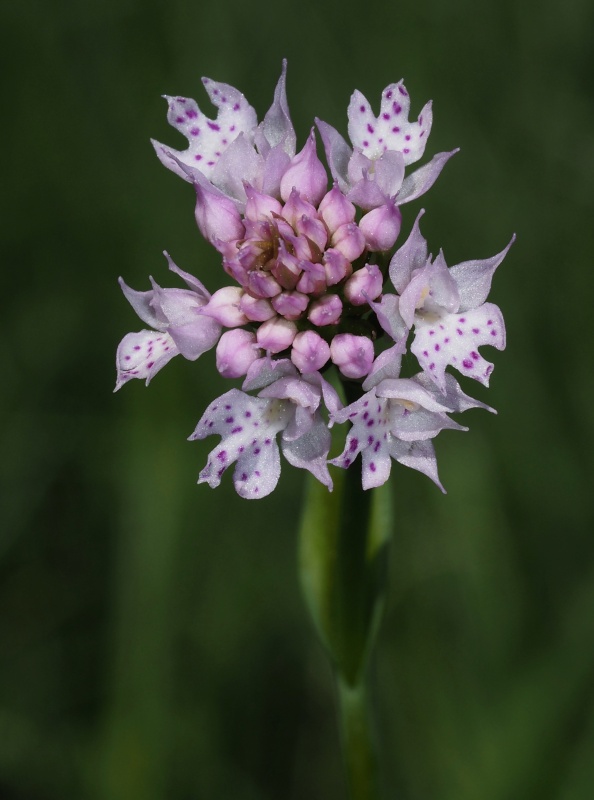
column 474, row 278
column 408, row 258
column 141, row 355
column 207, row 139
column 422, row 179
column 391, row 130
column 417, row 455
column 248, row 427
column 454, row 339
column 276, row 129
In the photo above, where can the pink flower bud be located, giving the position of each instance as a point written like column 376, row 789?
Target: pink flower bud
column 217, row 218
column 313, row 278
column 349, row 240
column 314, row 230
column 336, row 210
column 381, row 227
column 336, row 266
column 236, row 352
column 305, row 173
column 364, row 284
column 326, row 310
column 260, row 206
column 353, row 355
column 309, row 352
column 256, row 309
column 290, row 305
column 224, row 307
column 276, row 334
column 262, row 284
column 296, row 207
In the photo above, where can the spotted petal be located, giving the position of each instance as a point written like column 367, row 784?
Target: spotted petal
column 248, row 427
column 142, row 355
column 454, row 339
column 207, row 139
column 391, row 130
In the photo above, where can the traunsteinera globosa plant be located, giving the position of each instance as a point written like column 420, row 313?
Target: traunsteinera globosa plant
column 316, row 317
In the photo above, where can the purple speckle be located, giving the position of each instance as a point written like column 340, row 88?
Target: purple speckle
column 421, row 120
column 213, row 126
column 198, row 158
column 222, row 456
column 475, row 330
column 191, row 113
column 232, row 128
column 461, row 319
column 353, row 445
column 268, row 441
column 238, row 429
column 397, row 107
column 422, row 133
column 372, row 466
column 365, row 404
column 362, row 109
column 436, row 348
column 431, row 333
column 220, row 472
column 211, row 424
column 227, row 407
column 236, row 107
column 377, row 445
column 489, row 322
column 137, row 347
column 431, row 366
column 256, row 450
column 407, row 137
column 493, row 332
column 426, row 353
column 346, row 462
column 365, row 415
column 256, row 490
column 179, row 120
column 370, row 423
column 229, row 420
column 370, row 128
column 406, row 150
column 244, row 476
column 467, row 363
column 396, row 129
column 402, row 90
column 257, row 473
column 224, row 141
column 366, row 143
column 386, row 116
column 247, row 414
column 475, row 355
column 389, row 94
column 441, row 328
column 370, row 440
column 127, row 358
column 181, row 100
column 241, row 449
column 459, row 332
column 150, row 364
column 195, row 132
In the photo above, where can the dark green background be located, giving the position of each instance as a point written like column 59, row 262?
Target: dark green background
column 153, row 641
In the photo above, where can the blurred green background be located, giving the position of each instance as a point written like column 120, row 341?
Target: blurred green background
column 153, row 640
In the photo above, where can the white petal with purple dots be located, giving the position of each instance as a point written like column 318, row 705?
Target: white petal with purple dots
column 141, row 355
column 391, row 130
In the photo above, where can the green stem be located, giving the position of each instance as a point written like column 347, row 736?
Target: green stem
column 358, row 741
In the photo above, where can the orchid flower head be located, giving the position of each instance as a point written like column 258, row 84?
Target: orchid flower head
column 317, row 302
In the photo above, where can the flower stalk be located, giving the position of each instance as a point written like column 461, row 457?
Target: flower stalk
column 344, row 543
